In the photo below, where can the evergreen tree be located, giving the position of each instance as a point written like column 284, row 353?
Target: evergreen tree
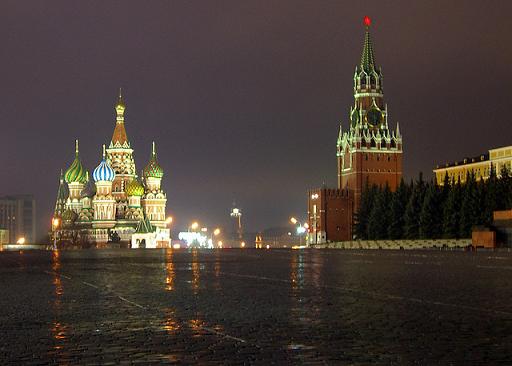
column 504, row 189
column 413, row 210
column 469, row 210
column 398, row 203
column 489, row 196
column 430, row 216
column 379, row 219
column 362, row 216
column 451, row 212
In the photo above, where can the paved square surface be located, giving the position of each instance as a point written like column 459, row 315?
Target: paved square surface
column 256, row 307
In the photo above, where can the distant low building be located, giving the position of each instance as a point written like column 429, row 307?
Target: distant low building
column 480, row 166
column 4, row 236
column 18, row 217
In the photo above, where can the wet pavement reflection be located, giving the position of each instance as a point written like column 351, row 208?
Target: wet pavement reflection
column 256, row 306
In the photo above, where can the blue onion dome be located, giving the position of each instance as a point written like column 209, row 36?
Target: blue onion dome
column 134, row 188
column 153, row 169
column 89, row 189
column 103, row 172
column 76, row 172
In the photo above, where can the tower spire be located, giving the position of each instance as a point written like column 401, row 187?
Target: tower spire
column 119, row 138
column 104, row 154
column 153, row 149
column 76, row 147
column 367, row 57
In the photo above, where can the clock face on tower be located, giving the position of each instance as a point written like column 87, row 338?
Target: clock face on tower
column 374, row 117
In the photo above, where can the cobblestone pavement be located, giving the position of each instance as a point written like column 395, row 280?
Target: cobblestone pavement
column 256, row 307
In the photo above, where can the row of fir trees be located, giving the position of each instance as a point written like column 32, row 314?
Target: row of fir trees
column 426, row 210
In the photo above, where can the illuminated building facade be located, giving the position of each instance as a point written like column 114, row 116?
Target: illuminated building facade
column 480, row 166
column 18, row 217
column 368, row 152
column 116, row 200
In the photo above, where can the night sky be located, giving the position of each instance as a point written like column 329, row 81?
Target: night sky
column 243, row 98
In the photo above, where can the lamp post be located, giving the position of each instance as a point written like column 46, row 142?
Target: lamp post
column 55, row 223
column 301, row 229
column 215, row 232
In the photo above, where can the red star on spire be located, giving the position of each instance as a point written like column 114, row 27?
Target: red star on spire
column 367, row 21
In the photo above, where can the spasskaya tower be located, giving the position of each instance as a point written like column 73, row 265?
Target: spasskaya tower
column 369, row 151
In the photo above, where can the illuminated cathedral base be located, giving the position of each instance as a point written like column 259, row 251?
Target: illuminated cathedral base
column 115, row 206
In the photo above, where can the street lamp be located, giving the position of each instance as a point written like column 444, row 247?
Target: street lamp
column 215, row 232
column 194, row 225
column 301, row 229
column 21, row 240
column 219, row 244
column 169, row 220
column 55, row 223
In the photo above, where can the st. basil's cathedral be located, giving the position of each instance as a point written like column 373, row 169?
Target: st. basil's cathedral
column 115, row 205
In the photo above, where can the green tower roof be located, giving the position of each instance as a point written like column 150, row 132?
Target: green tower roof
column 153, row 169
column 76, row 172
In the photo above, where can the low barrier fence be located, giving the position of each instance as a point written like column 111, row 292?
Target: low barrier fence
column 398, row 244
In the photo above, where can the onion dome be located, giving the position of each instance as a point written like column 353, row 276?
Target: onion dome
column 103, row 172
column 153, row 169
column 134, row 188
column 120, row 107
column 89, row 189
column 69, row 216
column 76, row 172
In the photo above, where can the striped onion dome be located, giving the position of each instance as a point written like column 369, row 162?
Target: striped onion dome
column 103, row 172
column 76, row 172
column 153, row 169
column 134, row 188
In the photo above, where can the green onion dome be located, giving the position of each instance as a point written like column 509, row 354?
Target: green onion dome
column 76, row 172
column 69, row 216
column 134, row 188
column 153, row 169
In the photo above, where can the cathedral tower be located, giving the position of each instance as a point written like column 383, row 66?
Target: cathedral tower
column 369, row 151
column 120, row 154
column 154, row 199
column 75, row 177
column 104, row 201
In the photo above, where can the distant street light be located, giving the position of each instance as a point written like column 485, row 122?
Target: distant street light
column 21, row 241
column 242, row 244
column 169, row 220
column 219, row 244
column 301, row 229
column 194, row 225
